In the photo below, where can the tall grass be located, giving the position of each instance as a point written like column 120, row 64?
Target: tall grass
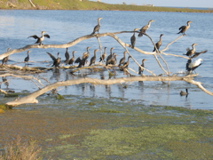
column 21, row 150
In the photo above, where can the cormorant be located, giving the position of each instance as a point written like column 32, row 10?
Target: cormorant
column 93, row 59
column 97, row 27
column 67, row 56
column 190, row 52
column 141, row 69
column 191, row 66
column 198, row 53
column 5, row 59
column 56, row 61
column 182, row 93
column 122, row 60
column 109, row 57
column 82, row 61
column 158, row 44
column 145, row 28
column 126, row 64
column 26, row 59
column 133, row 38
column 103, row 56
column 71, row 61
column 183, row 29
column 40, row 39
column 112, row 60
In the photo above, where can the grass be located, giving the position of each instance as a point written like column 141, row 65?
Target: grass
column 21, row 150
column 89, row 5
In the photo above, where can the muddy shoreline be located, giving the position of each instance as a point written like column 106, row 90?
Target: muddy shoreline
column 117, row 129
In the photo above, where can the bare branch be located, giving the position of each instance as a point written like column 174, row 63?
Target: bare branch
column 32, row 97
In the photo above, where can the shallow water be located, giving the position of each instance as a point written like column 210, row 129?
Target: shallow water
column 65, row 26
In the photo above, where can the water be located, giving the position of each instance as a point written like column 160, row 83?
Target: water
column 65, row 26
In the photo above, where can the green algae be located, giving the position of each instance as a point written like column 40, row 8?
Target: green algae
column 98, row 128
column 144, row 135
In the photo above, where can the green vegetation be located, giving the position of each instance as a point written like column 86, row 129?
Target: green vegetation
column 87, row 5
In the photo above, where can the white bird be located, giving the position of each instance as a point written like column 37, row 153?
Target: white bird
column 191, row 66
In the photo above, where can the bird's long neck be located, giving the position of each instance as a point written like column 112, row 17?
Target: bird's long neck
column 99, row 22
column 160, row 38
column 149, row 24
column 193, row 48
column 188, row 24
column 73, row 54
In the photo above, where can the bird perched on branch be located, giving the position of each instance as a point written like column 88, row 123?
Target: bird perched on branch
column 190, row 52
column 97, row 27
column 56, row 61
column 67, row 56
column 158, row 44
column 122, row 60
column 26, row 59
column 103, row 56
column 191, row 66
column 71, row 61
column 133, row 38
column 5, row 59
column 126, row 64
column 109, row 56
column 145, row 28
column 141, row 68
column 183, row 29
column 41, row 38
column 93, row 59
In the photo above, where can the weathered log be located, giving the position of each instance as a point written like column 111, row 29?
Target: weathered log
column 32, row 97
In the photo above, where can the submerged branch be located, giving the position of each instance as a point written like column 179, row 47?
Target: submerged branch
column 32, row 97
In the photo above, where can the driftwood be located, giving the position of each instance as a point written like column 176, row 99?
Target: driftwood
column 32, row 97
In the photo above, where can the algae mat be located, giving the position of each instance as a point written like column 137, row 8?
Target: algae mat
column 111, row 129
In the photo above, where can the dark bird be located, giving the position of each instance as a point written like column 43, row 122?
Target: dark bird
column 184, row 93
column 141, row 69
column 41, row 38
column 67, row 56
column 158, row 44
column 122, row 60
column 56, row 61
column 93, row 59
column 126, row 64
column 191, row 66
column 97, row 27
column 103, row 56
column 5, row 59
column 82, row 61
column 109, row 56
column 71, row 61
column 191, row 52
column 5, row 81
column 86, row 54
column 183, row 29
column 26, row 59
column 133, row 38
column 145, row 28
column 198, row 53
column 113, row 60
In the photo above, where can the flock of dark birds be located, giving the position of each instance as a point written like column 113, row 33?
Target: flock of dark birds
column 112, row 58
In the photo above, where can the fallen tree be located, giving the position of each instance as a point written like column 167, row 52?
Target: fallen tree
column 32, row 98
